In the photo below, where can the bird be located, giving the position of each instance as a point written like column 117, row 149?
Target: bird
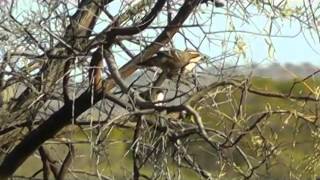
column 173, row 61
column 217, row 3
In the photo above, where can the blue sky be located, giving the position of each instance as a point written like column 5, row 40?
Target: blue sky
column 292, row 45
column 298, row 49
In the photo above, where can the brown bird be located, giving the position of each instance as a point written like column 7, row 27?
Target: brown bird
column 217, row 3
column 174, row 61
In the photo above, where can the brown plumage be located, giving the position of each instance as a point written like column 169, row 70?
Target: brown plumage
column 173, row 61
column 217, row 3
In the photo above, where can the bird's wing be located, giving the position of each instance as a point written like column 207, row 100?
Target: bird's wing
column 154, row 60
column 167, row 54
column 148, row 62
column 177, row 59
column 170, row 58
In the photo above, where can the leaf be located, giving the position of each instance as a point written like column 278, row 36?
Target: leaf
column 287, row 12
column 240, row 47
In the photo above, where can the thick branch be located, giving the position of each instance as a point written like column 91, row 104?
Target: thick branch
column 82, row 23
column 66, row 163
column 161, row 40
column 64, row 115
column 45, row 131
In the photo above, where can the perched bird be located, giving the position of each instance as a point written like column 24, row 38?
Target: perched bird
column 174, row 62
column 217, row 3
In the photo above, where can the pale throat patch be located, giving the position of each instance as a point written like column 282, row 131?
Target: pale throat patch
column 192, row 64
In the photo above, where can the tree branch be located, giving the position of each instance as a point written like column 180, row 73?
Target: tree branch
column 63, row 116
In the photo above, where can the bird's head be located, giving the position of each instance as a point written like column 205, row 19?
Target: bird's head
column 193, row 56
column 191, row 59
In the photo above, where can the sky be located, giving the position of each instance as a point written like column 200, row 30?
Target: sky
column 295, row 49
column 298, row 48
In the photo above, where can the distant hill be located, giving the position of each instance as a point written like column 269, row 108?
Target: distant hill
column 287, row 71
column 275, row 71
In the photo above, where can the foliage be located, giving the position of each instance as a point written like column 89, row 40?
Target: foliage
column 76, row 102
